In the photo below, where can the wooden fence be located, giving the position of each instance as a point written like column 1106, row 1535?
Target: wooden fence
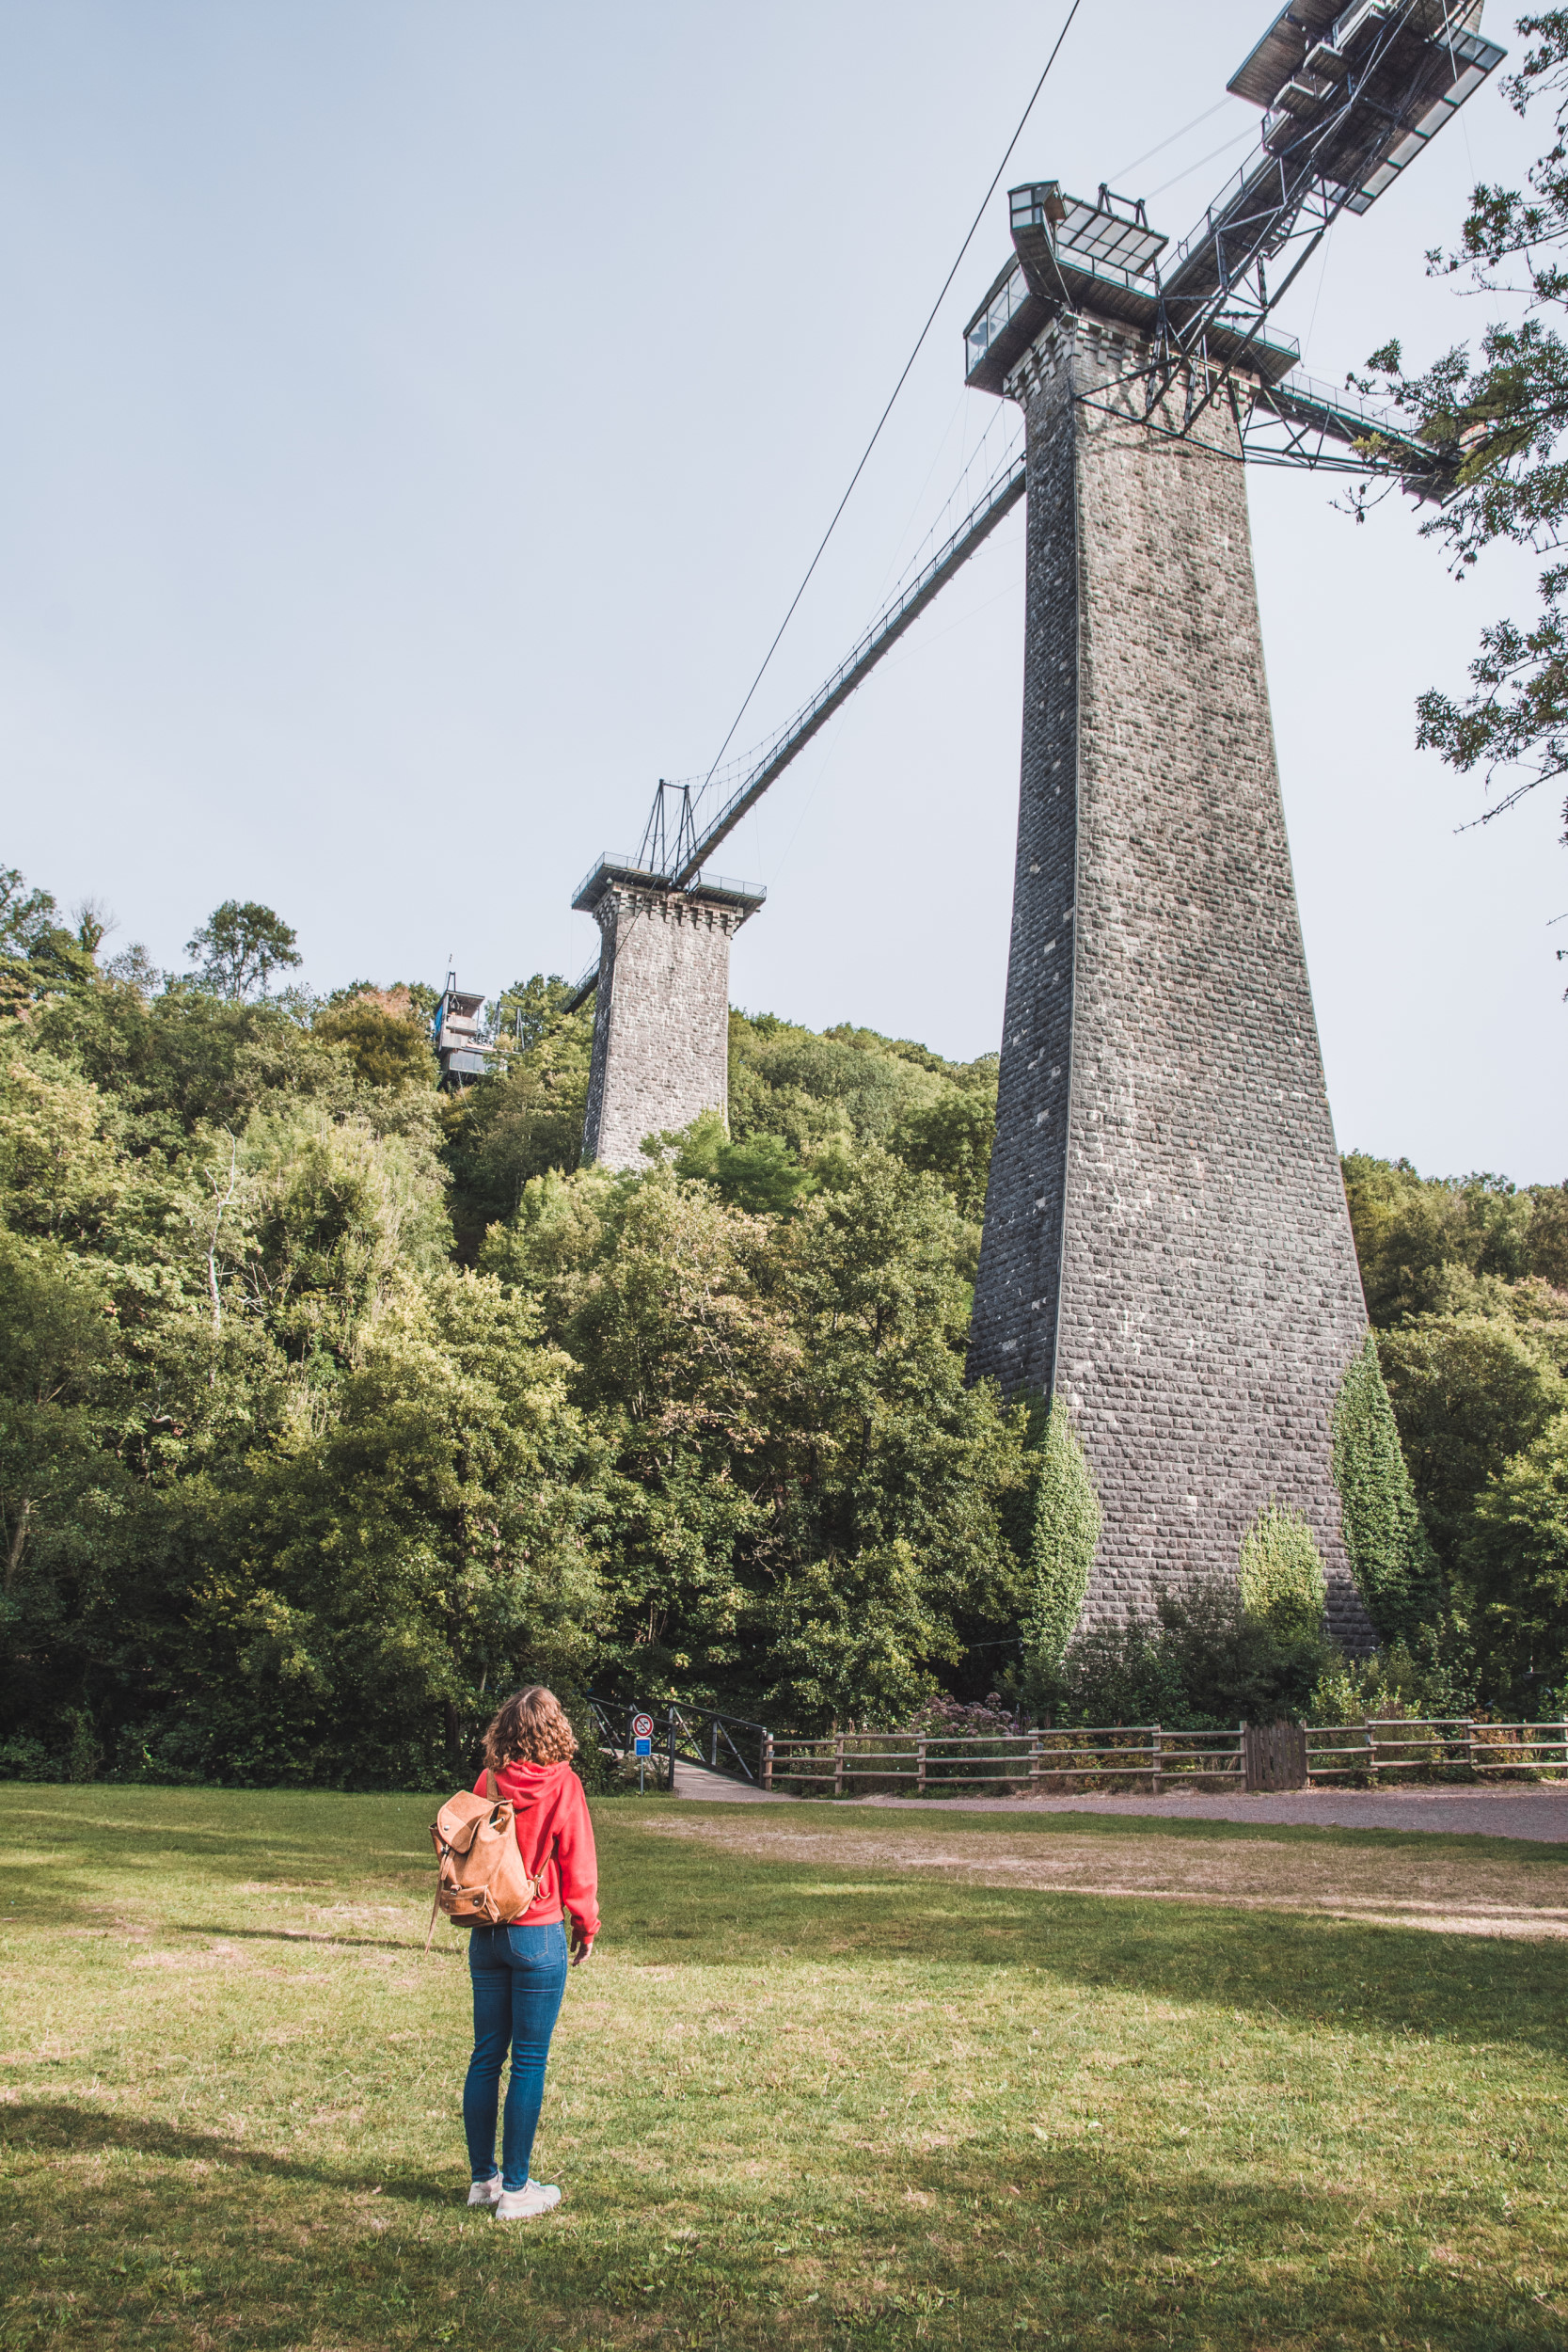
column 1149, row 1758
column 1458, row 1744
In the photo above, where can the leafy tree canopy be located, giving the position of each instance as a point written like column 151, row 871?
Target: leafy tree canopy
column 239, row 948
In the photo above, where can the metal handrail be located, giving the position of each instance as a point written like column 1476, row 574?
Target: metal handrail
column 684, row 1729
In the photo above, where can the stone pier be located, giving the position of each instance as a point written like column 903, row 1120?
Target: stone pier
column 661, row 1016
column 1166, row 1243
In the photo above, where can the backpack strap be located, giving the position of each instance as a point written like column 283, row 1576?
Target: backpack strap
column 490, row 1789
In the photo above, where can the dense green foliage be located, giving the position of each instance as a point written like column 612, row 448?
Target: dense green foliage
column 1516, row 1558
column 329, row 1405
column 1206, row 1660
column 1467, row 1285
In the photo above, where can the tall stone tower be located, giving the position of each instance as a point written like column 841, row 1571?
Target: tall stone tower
column 661, row 1017
column 1166, row 1242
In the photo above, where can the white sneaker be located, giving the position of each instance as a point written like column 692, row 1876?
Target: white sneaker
column 486, row 2192
column 524, row 2204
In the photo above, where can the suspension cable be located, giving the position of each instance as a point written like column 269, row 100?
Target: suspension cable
column 1066, row 27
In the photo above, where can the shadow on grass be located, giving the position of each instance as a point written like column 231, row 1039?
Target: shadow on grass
column 1287, row 1967
column 307, row 1935
column 48, row 2127
column 1116, row 2252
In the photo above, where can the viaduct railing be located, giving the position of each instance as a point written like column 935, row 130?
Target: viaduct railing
column 691, row 1735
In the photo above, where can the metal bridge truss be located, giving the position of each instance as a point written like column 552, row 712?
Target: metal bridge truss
column 685, row 872
column 1305, row 425
column 1352, row 95
column 1348, row 112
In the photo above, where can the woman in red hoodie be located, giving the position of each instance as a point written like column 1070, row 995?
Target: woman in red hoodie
column 519, row 1969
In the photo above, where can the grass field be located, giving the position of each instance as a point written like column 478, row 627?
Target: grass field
column 833, row 2078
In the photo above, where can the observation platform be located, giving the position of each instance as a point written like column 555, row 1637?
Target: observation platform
column 615, row 869
column 1070, row 255
column 1351, row 97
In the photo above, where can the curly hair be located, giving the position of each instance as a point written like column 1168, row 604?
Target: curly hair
column 531, row 1728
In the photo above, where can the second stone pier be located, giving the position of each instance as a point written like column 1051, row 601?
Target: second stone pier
column 661, row 1014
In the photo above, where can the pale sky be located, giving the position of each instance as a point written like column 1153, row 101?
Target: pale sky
column 418, row 418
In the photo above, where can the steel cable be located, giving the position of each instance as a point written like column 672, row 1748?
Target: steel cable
column 920, row 342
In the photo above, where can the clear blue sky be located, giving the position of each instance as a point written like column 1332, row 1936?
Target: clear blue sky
column 416, row 420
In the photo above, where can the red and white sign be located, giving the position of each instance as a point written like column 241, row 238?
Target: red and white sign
column 641, row 1726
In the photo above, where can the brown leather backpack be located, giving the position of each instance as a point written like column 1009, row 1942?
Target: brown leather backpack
column 480, row 1876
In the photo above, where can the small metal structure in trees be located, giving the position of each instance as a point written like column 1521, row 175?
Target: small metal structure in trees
column 460, row 1050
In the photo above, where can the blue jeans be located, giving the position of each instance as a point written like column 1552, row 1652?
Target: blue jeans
column 519, row 1976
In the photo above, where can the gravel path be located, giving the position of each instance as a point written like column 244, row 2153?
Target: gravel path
column 1538, row 1812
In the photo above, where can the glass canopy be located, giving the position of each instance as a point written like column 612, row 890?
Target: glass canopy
column 1105, row 237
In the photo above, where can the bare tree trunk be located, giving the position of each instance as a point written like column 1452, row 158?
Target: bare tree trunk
column 213, row 1246
column 18, row 1542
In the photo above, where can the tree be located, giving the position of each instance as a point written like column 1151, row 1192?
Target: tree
column 387, row 1046
column 761, row 1174
column 239, row 948
column 524, row 1117
column 1505, row 416
column 953, row 1139
column 26, row 914
column 1516, row 1561
column 1444, row 1245
column 376, row 1582
column 1468, row 1393
column 38, row 957
column 804, row 1499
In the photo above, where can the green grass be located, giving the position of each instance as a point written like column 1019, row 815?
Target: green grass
column 791, row 2104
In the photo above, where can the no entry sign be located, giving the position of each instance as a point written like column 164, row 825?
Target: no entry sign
column 641, row 1726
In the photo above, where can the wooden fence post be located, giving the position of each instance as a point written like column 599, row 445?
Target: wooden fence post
column 838, row 1764
column 1036, row 1772
column 1159, row 1782
column 767, row 1759
column 920, row 1768
column 1372, row 1744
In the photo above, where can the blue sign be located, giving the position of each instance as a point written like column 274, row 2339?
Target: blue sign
column 643, row 1747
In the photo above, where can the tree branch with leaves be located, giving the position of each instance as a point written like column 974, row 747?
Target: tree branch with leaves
column 1504, row 414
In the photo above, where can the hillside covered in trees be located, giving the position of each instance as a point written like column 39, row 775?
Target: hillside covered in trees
column 331, row 1404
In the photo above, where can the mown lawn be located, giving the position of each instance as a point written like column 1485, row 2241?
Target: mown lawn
column 792, row 2104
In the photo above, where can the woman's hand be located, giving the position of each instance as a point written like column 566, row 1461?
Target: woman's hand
column 581, row 1946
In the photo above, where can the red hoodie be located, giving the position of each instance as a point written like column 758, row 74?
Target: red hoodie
column 555, row 1837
